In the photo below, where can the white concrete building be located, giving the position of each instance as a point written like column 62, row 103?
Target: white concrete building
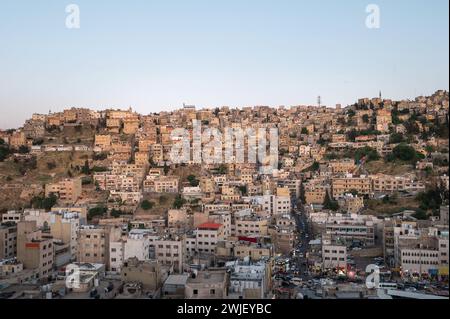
column 137, row 245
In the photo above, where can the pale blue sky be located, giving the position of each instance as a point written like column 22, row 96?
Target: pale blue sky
column 155, row 55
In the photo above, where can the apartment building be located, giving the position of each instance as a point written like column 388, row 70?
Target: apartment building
column 352, row 230
column 392, row 229
column 170, row 250
column 116, row 255
column 207, row 285
column 352, row 204
column 142, row 158
column 10, row 267
column 252, row 225
column 130, row 125
column 284, row 239
column 342, row 185
column 342, row 166
column 315, row 193
column 12, row 216
column 273, row 205
column 126, row 197
column 389, row 184
column 253, row 250
column 64, row 227
column 383, row 120
column 110, row 182
column 161, row 184
column 224, row 218
column 334, row 256
column 293, row 186
column 149, row 273
column 207, row 184
column 8, row 240
column 422, row 251
column 137, row 245
column 18, row 139
column 205, row 239
column 249, row 280
column 33, row 249
column 68, row 190
column 93, row 243
column 103, row 141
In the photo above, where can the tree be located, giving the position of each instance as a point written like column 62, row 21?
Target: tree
column 243, row 190
column 222, row 170
column 369, row 153
column 46, row 203
column 179, row 202
column 4, row 151
column 420, row 214
column 405, row 153
column 193, row 181
column 352, row 134
column 351, row 113
column 115, row 213
column 432, row 199
column 305, row 130
column 24, row 149
column 85, row 169
column 330, row 204
column 396, row 138
column 147, row 205
column 366, row 118
column 97, row 211
column 315, row 167
column 100, row 156
column 38, row 141
column 51, row 165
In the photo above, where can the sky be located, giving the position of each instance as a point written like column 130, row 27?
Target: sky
column 157, row 55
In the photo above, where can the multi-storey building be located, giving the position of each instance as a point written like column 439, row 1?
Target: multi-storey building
column 33, row 249
column 68, row 190
column 8, row 240
column 349, row 183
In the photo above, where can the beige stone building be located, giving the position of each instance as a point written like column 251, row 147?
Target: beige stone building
column 342, row 166
column 207, row 285
column 103, row 141
column 161, row 184
column 93, row 243
column 68, row 190
column 149, row 273
column 348, row 183
column 33, row 249
column 8, row 240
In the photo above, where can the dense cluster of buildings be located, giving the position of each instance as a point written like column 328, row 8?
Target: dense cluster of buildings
column 227, row 224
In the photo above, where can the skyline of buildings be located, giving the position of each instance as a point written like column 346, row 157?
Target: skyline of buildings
column 156, row 55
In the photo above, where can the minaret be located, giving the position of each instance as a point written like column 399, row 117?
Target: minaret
column 380, row 95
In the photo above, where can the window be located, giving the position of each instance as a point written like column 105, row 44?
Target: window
column 195, row 292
